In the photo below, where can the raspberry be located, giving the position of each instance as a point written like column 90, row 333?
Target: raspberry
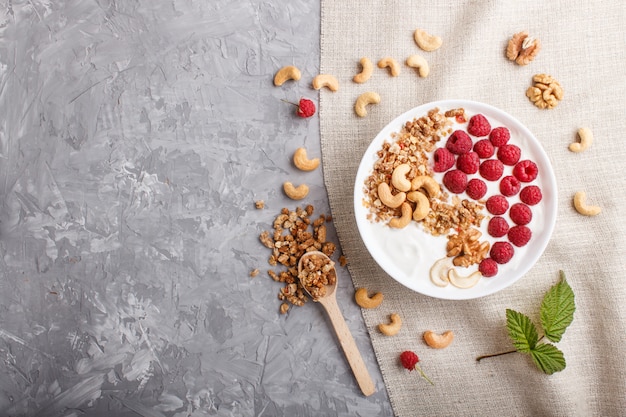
column 521, row 214
column 306, row 108
column 468, row 162
column 501, row 252
column 531, row 195
column 488, row 267
column 444, row 160
column 459, row 142
column 497, row 226
column 478, row 125
column 455, row 181
column 525, row 171
column 509, row 186
column 497, row 205
column 491, row 169
column 476, row 189
column 519, row 235
column 484, row 149
column 499, row 136
column 509, row 154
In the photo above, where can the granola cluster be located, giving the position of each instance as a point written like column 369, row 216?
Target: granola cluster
column 316, row 273
column 294, row 234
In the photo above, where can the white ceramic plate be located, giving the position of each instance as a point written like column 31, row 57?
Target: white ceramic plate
column 407, row 254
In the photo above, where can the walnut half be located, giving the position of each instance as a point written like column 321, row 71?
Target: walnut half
column 546, row 92
column 522, row 48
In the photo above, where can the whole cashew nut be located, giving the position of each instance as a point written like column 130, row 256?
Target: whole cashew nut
column 367, row 68
column 302, row 161
column 392, row 64
column 398, row 177
column 363, row 100
column 365, row 301
column 586, row 138
column 580, row 203
column 426, row 41
column 420, row 63
column 285, row 74
column 405, row 219
column 325, row 80
column 438, row 341
column 461, row 281
column 392, row 328
column 388, row 199
column 295, row 193
column 439, row 272
column 428, row 183
column 422, row 205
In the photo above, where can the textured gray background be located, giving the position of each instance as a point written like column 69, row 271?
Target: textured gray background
column 135, row 137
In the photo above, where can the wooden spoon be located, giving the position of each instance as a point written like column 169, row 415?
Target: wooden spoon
column 350, row 349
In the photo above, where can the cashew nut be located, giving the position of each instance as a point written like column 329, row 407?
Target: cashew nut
column 388, row 199
column 581, row 206
column 461, row 281
column 285, row 74
column 405, row 219
column 364, row 99
column 325, row 80
column 295, row 193
column 398, row 177
column 302, row 161
column 365, row 301
column 428, row 183
column 392, row 328
column 367, row 68
column 392, row 64
column 426, row 41
column 422, row 205
column 438, row 341
column 419, row 62
column 439, row 271
column 586, row 138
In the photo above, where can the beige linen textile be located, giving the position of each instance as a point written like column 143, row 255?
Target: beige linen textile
column 583, row 47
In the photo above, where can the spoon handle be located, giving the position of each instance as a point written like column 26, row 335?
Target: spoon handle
column 350, row 348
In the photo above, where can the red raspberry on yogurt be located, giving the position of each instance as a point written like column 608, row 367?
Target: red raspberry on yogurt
column 476, row 189
column 521, row 214
column 478, row 126
column 499, row 136
column 519, row 235
column 509, row 154
column 468, row 162
column 488, row 267
column 459, row 142
column 531, row 195
column 525, row 170
column 491, row 169
column 484, row 148
column 497, row 227
column 455, row 180
column 501, row 252
column 509, row 186
column 497, row 205
column 443, row 160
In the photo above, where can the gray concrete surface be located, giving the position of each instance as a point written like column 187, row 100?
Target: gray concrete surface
column 135, row 137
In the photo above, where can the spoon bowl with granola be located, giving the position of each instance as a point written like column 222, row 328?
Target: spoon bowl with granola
column 318, row 276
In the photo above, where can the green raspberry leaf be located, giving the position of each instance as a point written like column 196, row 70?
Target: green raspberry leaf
column 521, row 330
column 557, row 309
column 548, row 358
